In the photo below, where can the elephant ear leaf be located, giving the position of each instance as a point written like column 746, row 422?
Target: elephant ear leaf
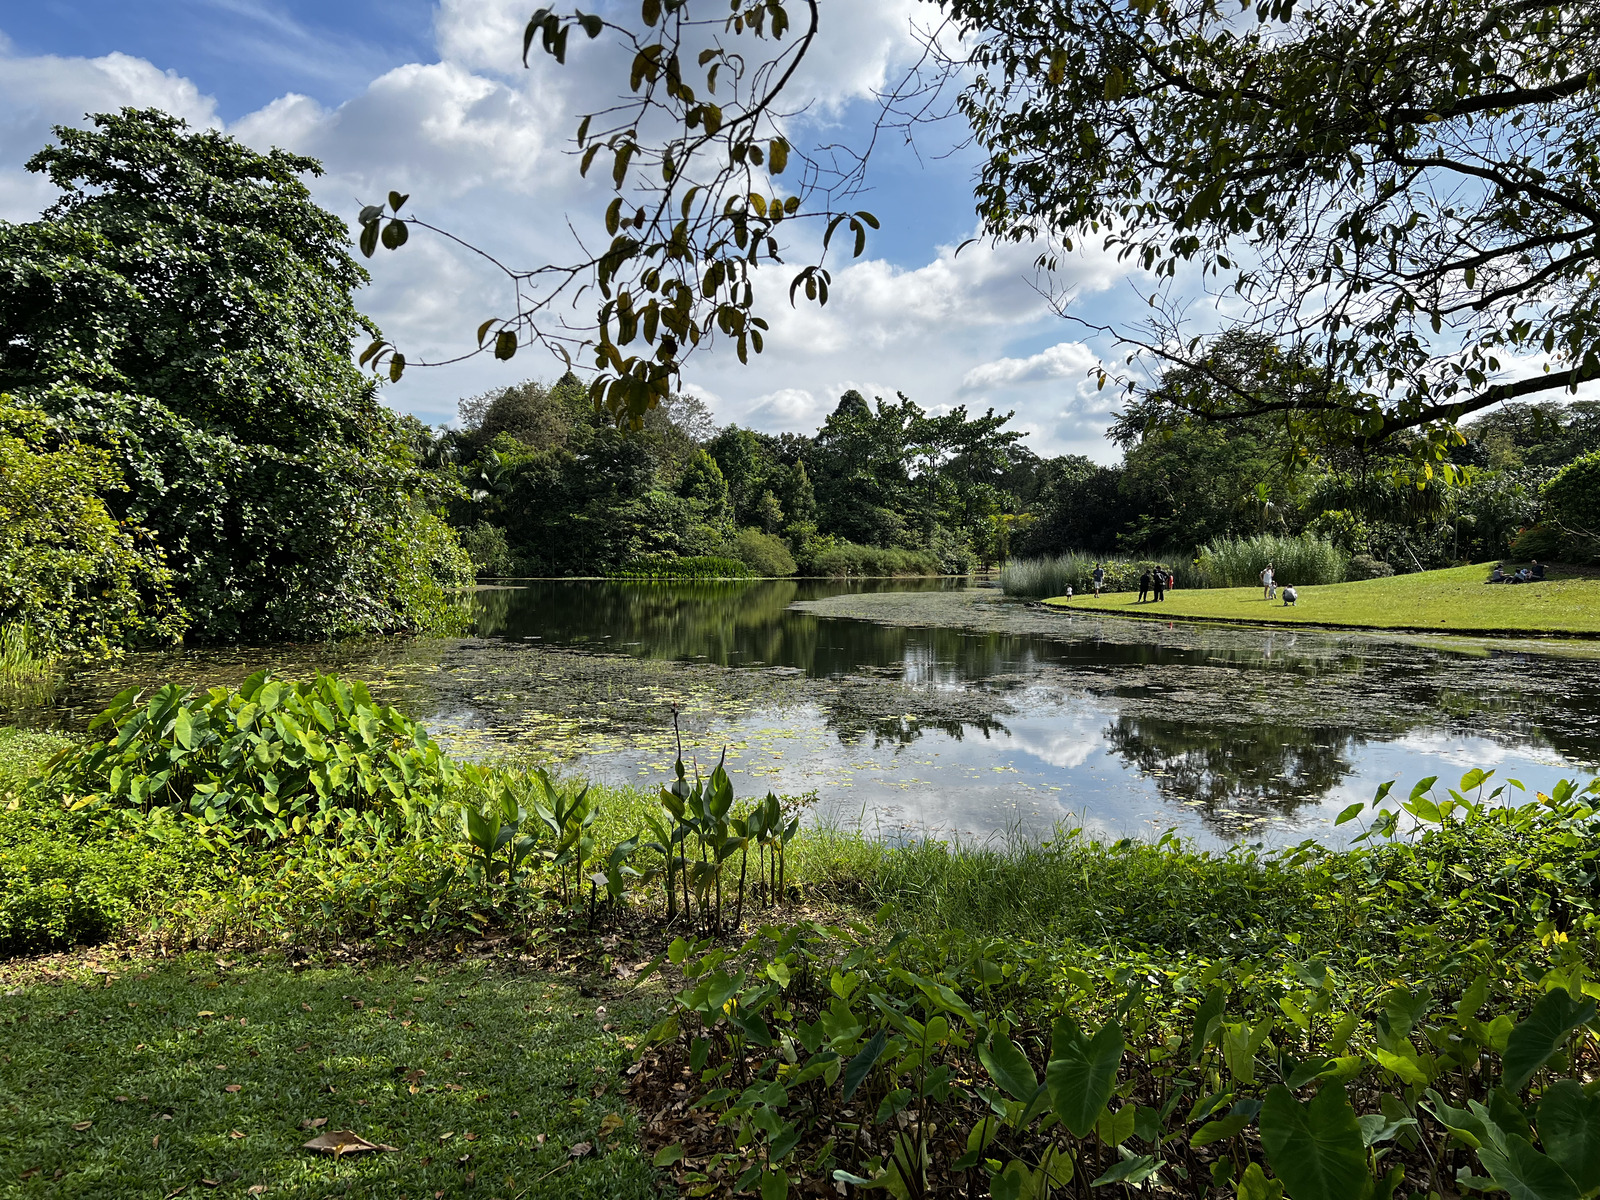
column 1009, row 1067
column 1541, row 1034
column 1525, row 1173
column 1082, row 1074
column 1569, row 1127
column 1316, row 1149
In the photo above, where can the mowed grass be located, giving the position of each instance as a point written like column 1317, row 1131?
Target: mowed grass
column 1453, row 600
column 194, row 1079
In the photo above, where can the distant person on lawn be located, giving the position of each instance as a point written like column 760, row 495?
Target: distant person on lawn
column 1536, row 571
column 1290, row 597
column 1099, row 578
column 1144, row 587
column 1267, row 590
column 1161, row 586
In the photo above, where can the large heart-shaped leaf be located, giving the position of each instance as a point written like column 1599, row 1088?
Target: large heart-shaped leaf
column 1009, row 1067
column 1082, row 1072
column 1525, row 1173
column 1317, row 1148
column 1569, row 1127
column 1541, row 1034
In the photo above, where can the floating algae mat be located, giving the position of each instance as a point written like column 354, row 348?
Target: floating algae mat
column 931, row 709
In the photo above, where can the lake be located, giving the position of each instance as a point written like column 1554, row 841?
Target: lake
column 930, row 708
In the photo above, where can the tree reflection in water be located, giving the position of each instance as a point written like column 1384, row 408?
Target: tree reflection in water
column 1235, row 775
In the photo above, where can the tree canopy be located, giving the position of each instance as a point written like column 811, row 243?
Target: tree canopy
column 186, row 307
column 1400, row 192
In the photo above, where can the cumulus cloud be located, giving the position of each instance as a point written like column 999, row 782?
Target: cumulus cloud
column 482, row 144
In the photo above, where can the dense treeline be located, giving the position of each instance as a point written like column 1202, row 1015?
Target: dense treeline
column 551, row 488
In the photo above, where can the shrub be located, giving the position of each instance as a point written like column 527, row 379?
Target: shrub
column 763, row 553
column 839, row 559
column 1044, row 577
column 1545, row 541
column 271, row 760
column 1572, row 502
column 1364, row 566
column 664, row 566
column 1238, row 562
column 486, row 546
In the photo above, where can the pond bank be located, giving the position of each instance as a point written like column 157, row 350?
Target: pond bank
column 1454, row 601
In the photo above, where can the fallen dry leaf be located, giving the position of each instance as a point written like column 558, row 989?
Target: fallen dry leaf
column 206, row 1012
column 232, row 1087
column 120, row 1099
column 211, row 1183
column 305, row 1006
column 445, row 1137
column 177, row 1192
column 81, row 1126
column 344, row 1141
column 313, row 1122
column 469, row 1137
column 579, row 1149
column 257, row 1189
column 236, row 1134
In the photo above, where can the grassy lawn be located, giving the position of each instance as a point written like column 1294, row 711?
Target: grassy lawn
column 1455, row 600
column 190, row 1078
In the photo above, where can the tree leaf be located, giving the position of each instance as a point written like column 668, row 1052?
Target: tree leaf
column 1316, row 1149
column 344, row 1141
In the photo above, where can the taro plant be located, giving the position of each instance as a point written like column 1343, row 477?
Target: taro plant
column 570, row 820
column 272, row 760
column 503, row 821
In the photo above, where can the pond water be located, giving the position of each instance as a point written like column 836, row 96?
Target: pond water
column 930, row 708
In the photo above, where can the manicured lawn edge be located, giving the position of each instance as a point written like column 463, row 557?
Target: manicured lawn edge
column 1060, row 605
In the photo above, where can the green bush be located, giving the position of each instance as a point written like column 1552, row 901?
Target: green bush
column 765, row 554
column 833, row 559
column 486, row 546
column 705, row 566
column 271, row 760
column 1572, row 502
column 1364, row 566
column 72, row 574
column 1545, row 540
column 1238, row 562
column 1041, row 578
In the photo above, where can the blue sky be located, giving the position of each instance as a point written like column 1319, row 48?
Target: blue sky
column 430, row 98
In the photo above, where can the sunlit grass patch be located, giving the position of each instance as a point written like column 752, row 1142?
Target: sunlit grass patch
column 192, row 1076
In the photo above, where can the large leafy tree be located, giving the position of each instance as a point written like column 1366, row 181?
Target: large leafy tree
column 1402, row 190
column 187, row 307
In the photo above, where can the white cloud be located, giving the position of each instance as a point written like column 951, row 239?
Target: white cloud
column 1064, row 360
column 482, row 145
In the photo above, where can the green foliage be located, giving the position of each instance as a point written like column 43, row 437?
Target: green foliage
column 27, row 675
column 1175, row 136
column 708, row 566
column 833, row 559
column 186, row 309
column 1572, row 499
column 1040, row 578
column 1301, row 561
column 765, row 555
column 1111, row 1062
column 72, row 577
column 486, row 546
column 270, row 761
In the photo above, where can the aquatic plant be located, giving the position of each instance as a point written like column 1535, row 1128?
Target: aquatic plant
column 28, row 675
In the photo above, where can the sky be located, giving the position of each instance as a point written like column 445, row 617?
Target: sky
column 432, row 100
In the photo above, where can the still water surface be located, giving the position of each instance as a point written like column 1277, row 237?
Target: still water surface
column 927, row 708
column 1035, row 718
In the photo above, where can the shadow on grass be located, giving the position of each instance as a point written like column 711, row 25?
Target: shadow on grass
column 195, row 1079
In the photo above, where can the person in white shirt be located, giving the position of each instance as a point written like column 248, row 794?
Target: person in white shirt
column 1268, row 591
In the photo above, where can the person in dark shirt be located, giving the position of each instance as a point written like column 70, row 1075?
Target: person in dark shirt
column 1099, row 578
column 1161, row 586
column 1144, row 587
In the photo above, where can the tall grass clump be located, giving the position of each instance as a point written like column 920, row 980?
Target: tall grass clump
column 27, row 673
column 704, row 566
column 1303, row 560
column 1039, row 578
column 843, row 560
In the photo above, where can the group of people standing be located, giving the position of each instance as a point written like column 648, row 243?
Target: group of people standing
column 1160, row 580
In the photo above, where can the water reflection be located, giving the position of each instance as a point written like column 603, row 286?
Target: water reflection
column 925, row 706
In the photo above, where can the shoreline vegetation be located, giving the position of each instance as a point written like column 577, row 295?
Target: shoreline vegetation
column 1454, row 600
column 696, row 990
